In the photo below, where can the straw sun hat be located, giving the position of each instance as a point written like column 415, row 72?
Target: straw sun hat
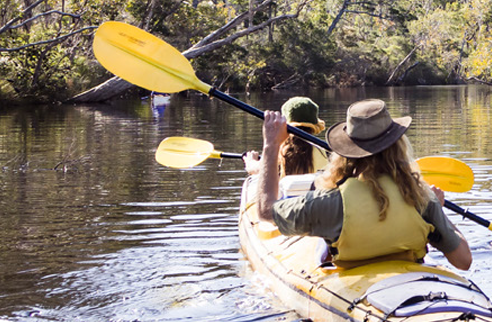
column 369, row 129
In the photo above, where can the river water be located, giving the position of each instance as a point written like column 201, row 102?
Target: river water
column 92, row 228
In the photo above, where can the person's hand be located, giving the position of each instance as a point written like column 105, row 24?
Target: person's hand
column 439, row 194
column 274, row 129
column 252, row 162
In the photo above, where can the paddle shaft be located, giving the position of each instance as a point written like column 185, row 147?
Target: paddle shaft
column 258, row 113
column 231, row 155
column 465, row 213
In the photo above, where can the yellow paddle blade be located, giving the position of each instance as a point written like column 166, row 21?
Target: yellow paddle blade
column 143, row 59
column 446, row 173
column 182, row 152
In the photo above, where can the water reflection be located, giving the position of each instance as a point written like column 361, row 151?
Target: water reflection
column 94, row 229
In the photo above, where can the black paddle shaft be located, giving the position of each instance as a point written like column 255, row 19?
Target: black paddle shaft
column 465, row 213
column 258, row 113
column 231, row 155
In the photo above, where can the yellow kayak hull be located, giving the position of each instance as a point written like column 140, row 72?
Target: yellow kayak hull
column 292, row 268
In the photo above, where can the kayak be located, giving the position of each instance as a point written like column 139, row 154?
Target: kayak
column 296, row 272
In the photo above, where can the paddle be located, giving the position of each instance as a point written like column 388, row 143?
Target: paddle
column 446, row 173
column 181, row 152
column 451, row 175
column 149, row 62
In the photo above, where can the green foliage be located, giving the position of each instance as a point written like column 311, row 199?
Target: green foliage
column 478, row 63
column 95, row 12
column 370, row 41
column 56, row 69
column 302, row 48
column 181, row 24
column 299, row 50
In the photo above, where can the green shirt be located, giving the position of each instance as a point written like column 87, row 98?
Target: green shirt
column 320, row 213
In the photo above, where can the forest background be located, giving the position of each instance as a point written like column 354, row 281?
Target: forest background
column 46, row 46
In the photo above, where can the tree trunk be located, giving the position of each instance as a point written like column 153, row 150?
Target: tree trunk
column 103, row 92
column 391, row 79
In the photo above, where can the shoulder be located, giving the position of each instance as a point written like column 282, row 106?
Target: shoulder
column 318, row 213
column 318, row 196
column 315, row 205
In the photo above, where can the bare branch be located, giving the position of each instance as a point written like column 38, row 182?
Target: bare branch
column 288, row 82
column 197, row 50
column 44, row 14
column 476, row 79
column 406, row 59
column 192, row 53
column 44, row 42
column 368, row 14
column 231, row 24
column 28, row 9
column 104, row 91
column 345, row 9
column 337, row 19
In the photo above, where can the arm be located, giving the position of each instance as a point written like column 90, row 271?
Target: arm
column 461, row 257
column 274, row 133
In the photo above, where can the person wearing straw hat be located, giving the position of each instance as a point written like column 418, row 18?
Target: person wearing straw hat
column 296, row 156
column 370, row 203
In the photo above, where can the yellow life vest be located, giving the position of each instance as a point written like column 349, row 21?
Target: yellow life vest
column 364, row 236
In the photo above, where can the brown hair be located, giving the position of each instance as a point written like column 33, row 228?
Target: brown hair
column 296, row 155
column 395, row 161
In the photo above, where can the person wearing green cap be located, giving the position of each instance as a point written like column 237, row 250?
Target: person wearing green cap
column 296, row 156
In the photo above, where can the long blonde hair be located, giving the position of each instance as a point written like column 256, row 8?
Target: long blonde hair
column 396, row 161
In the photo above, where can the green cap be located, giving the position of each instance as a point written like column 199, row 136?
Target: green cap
column 300, row 110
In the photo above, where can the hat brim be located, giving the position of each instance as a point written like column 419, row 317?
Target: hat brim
column 339, row 141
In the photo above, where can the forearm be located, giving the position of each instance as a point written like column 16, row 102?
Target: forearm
column 274, row 133
column 450, row 241
column 461, row 257
column 268, row 181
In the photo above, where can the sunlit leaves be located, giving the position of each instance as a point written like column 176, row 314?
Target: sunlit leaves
column 456, row 35
column 41, row 64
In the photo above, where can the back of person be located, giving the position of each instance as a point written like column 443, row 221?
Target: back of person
column 296, row 155
column 402, row 234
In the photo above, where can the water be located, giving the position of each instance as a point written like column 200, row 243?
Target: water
column 93, row 229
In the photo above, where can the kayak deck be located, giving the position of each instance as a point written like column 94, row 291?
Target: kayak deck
column 386, row 291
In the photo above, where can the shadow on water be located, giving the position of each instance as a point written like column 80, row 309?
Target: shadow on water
column 94, row 229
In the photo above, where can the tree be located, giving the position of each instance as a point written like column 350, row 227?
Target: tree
column 46, row 55
column 225, row 35
column 44, row 44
